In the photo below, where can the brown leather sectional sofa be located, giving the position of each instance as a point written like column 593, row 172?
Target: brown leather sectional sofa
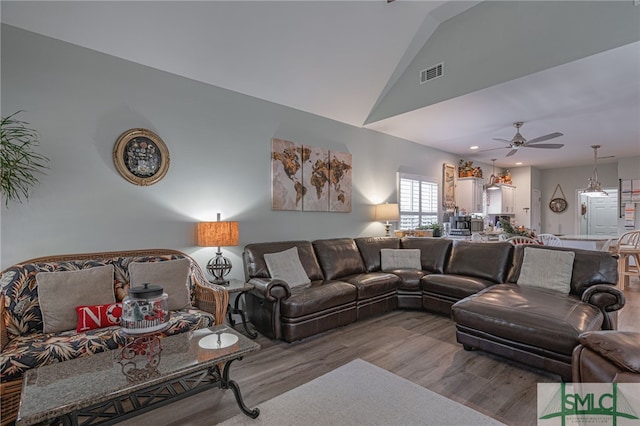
column 606, row 357
column 473, row 282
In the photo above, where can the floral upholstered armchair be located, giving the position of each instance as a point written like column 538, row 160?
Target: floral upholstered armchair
column 28, row 340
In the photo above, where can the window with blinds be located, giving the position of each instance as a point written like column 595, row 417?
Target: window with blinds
column 418, row 201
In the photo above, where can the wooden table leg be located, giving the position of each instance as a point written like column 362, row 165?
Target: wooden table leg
column 623, row 266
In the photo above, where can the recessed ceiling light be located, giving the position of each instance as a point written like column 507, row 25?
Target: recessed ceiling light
column 474, row 147
column 519, row 163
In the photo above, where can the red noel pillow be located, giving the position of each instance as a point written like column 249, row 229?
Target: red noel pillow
column 98, row 316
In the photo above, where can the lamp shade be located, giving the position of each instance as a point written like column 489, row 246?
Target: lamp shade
column 387, row 211
column 217, row 234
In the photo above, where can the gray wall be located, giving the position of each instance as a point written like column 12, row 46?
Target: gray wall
column 521, row 178
column 510, row 39
column 629, row 168
column 571, row 180
column 80, row 101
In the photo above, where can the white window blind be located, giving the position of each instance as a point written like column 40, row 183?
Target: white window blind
column 418, row 201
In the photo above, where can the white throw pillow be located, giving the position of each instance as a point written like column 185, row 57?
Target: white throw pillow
column 60, row 292
column 550, row 269
column 391, row 259
column 171, row 275
column 286, row 266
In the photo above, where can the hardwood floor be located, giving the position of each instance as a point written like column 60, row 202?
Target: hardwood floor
column 416, row 345
column 629, row 318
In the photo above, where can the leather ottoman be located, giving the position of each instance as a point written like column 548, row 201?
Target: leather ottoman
column 535, row 326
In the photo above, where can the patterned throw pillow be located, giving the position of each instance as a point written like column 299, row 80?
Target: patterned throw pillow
column 98, row 316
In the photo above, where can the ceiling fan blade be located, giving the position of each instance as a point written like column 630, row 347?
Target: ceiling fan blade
column 546, row 145
column 493, row 149
column 544, row 138
column 513, row 151
column 502, row 140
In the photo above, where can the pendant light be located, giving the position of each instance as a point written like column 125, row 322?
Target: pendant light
column 594, row 189
column 492, row 180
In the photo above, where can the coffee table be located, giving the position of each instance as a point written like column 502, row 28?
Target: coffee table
column 109, row 387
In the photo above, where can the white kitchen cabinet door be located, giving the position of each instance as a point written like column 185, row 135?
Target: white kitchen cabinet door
column 469, row 195
column 501, row 201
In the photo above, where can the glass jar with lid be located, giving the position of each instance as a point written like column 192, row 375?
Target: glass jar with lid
column 145, row 309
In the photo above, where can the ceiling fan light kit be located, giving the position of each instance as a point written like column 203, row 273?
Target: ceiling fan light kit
column 594, row 189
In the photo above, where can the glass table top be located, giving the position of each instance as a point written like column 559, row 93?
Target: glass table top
column 63, row 387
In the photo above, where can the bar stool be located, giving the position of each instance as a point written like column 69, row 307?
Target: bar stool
column 627, row 248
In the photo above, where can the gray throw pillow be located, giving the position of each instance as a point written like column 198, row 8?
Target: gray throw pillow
column 391, row 259
column 60, row 292
column 551, row 269
column 171, row 275
column 286, row 266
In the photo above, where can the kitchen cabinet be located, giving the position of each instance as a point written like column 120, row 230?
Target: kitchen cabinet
column 502, row 201
column 469, row 195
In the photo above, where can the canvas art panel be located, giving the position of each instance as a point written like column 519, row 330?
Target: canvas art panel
column 286, row 175
column 307, row 178
column 315, row 179
column 340, row 182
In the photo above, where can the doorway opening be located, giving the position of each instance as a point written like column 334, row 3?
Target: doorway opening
column 598, row 215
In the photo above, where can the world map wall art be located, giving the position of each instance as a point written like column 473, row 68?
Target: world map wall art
column 307, row 178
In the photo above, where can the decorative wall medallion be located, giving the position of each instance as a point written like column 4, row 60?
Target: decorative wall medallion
column 141, row 157
column 558, row 204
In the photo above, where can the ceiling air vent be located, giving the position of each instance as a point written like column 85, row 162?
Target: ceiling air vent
column 431, row 73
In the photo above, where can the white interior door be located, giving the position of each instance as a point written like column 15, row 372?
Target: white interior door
column 602, row 214
column 536, row 210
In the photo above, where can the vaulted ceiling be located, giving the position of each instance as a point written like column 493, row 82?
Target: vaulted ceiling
column 569, row 67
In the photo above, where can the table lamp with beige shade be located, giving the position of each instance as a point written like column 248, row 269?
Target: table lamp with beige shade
column 387, row 212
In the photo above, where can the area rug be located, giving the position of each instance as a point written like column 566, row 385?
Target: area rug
column 359, row 393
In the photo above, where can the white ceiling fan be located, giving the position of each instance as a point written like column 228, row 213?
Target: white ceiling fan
column 519, row 141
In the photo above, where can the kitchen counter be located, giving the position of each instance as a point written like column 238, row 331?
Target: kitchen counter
column 578, row 237
column 588, row 242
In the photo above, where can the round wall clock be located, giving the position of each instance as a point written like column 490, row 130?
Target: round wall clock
column 141, row 156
